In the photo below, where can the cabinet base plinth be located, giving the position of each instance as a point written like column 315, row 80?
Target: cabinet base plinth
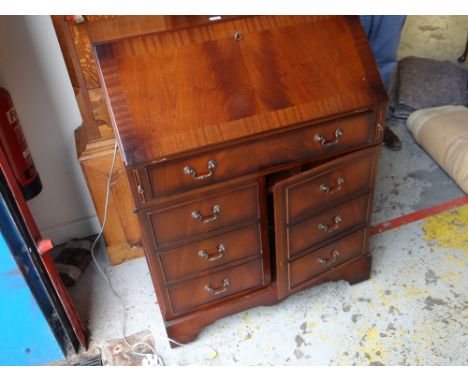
column 186, row 328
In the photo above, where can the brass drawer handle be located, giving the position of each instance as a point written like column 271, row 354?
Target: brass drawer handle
column 198, row 216
column 330, row 260
column 221, row 250
column 332, row 227
column 208, row 288
column 320, row 138
column 191, row 171
column 329, row 190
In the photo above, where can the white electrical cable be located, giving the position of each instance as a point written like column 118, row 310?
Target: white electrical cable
column 108, row 282
column 103, row 274
column 159, row 360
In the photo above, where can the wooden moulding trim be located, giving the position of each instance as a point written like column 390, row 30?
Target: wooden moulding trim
column 90, row 125
column 93, row 149
column 59, row 27
column 80, row 140
column 381, row 114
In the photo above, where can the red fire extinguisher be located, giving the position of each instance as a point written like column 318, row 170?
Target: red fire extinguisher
column 14, row 144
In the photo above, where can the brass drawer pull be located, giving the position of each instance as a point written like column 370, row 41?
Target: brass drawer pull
column 208, row 288
column 191, row 171
column 330, row 260
column 221, row 250
column 320, row 138
column 198, row 216
column 329, row 190
column 332, row 227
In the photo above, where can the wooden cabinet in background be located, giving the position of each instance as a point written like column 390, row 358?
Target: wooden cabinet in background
column 251, row 148
column 122, row 230
column 95, row 138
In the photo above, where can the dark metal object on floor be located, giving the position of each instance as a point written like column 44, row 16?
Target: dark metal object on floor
column 391, row 140
column 73, row 260
column 94, row 361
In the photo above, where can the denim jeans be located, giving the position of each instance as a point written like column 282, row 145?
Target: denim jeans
column 384, row 33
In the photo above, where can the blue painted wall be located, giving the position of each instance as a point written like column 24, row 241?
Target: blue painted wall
column 25, row 336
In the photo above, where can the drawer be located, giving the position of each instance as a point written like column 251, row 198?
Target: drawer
column 340, row 180
column 323, row 259
column 211, row 253
column 325, row 226
column 216, row 286
column 304, row 143
column 199, row 216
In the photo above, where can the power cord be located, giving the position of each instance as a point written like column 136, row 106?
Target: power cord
column 152, row 358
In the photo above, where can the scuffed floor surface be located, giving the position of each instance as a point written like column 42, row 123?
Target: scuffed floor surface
column 413, row 310
column 409, row 180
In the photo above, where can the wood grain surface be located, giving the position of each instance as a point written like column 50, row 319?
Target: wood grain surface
column 192, row 88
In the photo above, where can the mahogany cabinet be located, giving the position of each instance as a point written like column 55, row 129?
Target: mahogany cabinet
column 251, row 147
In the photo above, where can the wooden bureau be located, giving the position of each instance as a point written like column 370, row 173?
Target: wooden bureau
column 251, row 147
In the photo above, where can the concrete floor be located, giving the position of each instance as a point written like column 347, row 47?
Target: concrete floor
column 413, row 310
column 409, row 180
